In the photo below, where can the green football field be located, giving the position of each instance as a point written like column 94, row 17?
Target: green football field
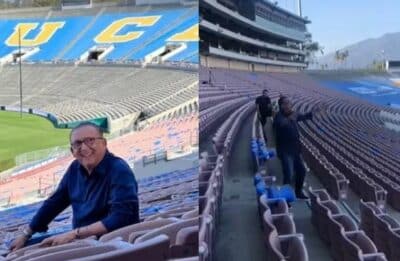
column 29, row 133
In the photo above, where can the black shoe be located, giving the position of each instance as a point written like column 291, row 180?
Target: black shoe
column 301, row 195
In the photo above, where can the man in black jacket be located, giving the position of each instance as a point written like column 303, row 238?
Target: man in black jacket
column 264, row 109
column 288, row 144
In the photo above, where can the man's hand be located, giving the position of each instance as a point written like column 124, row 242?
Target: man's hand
column 18, row 243
column 59, row 239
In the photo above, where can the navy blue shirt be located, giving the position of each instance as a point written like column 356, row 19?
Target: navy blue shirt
column 109, row 194
column 287, row 134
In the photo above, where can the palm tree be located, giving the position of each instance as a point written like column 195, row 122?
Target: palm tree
column 311, row 48
column 341, row 56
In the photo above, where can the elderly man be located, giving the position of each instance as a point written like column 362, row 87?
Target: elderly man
column 288, row 143
column 100, row 187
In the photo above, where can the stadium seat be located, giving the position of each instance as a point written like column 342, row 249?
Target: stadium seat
column 33, row 249
column 277, row 206
column 155, row 249
column 177, row 213
column 287, row 247
column 367, row 212
column 172, row 231
column 187, row 242
column 75, row 252
column 282, row 223
column 337, row 223
column 383, row 226
column 136, row 229
column 357, row 246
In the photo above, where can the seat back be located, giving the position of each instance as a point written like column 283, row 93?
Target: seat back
column 337, row 224
column 274, row 247
column 82, row 252
column 367, row 212
column 35, row 250
column 154, row 249
column 170, row 230
column 323, row 209
column 124, row 232
column 394, row 242
column 383, row 224
column 187, row 242
column 356, row 244
column 297, row 250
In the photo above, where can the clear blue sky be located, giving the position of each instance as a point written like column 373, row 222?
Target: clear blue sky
column 338, row 23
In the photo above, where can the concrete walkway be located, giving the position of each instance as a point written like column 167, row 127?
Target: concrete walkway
column 239, row 235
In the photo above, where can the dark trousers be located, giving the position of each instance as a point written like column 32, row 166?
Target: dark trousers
column 263, row 119
column 293, row 165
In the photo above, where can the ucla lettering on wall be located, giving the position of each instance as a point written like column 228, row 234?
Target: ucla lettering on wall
column 125, row 36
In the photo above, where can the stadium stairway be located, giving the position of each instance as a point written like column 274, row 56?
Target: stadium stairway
column 239, row 236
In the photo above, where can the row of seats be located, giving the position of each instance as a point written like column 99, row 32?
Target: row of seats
column 45, row 90
column 281, row 239
column 383, row 229
column 157, row 195
column 212, row 168
column 160, row 239
column 339, row 231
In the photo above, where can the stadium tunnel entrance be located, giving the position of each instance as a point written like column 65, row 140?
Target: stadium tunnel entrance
column 15, row 55
column 96, row 53
column 165, row 52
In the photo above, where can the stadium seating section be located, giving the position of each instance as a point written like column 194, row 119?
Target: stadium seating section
column 133, row 35
column 110, row 91
column 345, row 147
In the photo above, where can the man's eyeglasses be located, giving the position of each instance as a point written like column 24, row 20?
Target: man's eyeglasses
column 88, row 142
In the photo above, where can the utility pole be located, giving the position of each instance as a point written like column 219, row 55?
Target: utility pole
column 20, row 71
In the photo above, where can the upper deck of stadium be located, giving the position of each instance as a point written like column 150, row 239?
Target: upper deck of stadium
column 256, row 35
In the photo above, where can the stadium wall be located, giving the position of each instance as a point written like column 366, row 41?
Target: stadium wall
column 102, row 122
column 187, row 107
column 118, row 126
column 217, row 62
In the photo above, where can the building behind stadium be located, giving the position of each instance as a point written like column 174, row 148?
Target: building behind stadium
column 255, row 35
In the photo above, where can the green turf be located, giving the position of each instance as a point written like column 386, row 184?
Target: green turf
column 29, row 133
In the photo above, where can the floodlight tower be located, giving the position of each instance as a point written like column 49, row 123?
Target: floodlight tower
column 299, row 7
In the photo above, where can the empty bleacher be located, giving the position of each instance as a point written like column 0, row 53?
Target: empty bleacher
column 110, row 91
